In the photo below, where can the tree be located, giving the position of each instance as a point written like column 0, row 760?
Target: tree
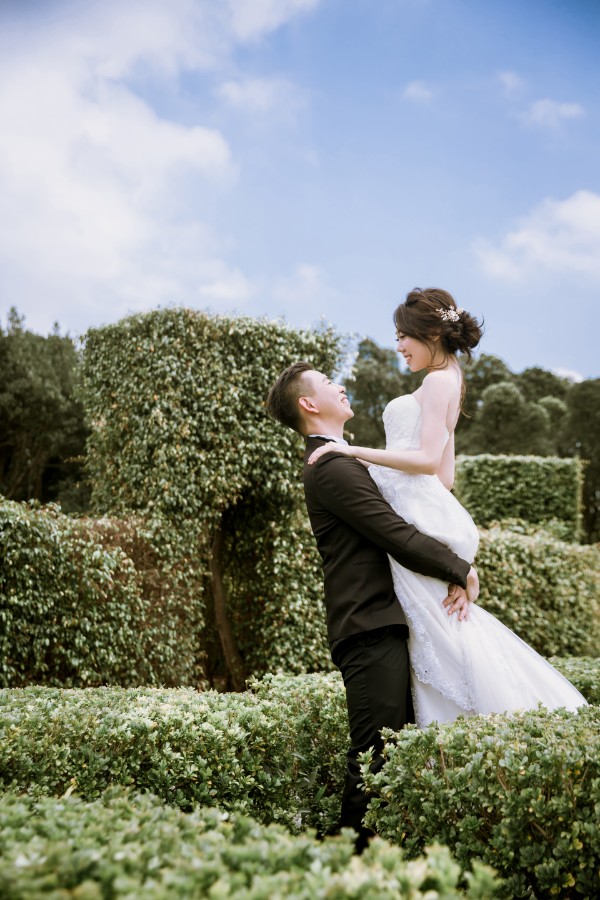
column 507, row 423
column 583, row 439
column 536, row 383
column 375, row 380
column 42, row 426
column 480, row 373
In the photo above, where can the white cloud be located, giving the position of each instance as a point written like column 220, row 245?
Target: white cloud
column 418, row 92
column 101, row 195
column 252, row 18
column 510, row 81
column 558, row 236
column 571, row 374
column 261, row 95
column 307, row 292
column 550, row 114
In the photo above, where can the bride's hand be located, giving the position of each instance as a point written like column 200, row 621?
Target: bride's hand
column 472, row 585
column 330, row 447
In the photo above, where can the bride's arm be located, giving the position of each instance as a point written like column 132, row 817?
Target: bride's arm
column 435, row 398
column 447, row 466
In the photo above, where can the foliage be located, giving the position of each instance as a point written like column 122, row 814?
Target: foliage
column 275, row 587
column 180, row 435
column 375, row 380
column 132, row 845
column 583, row 672
column 545, row 590
column 84, row 602
column 539, row 384
column 583, row 439
column 508, row 423
column 88, row 602
column 42, row 427
column 520, row 793
column 536, row 489
column 277, row 752
column 516, row 791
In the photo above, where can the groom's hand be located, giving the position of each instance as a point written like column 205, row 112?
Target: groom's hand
column 457, row 601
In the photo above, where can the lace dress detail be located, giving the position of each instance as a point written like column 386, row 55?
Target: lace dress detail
column 458, row 668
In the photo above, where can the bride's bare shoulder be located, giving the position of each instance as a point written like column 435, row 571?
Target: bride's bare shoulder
column 441, row 379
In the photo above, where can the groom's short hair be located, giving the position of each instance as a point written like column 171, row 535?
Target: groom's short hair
column 282, row 402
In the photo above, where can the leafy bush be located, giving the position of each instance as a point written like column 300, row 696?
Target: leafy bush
column 547, row 591
column 180, row 434
column 132, row 845
column 519, row 792
column 84, row 602
column 275, row 588
column 277, row 753
column 583, row 672
column 534, row 488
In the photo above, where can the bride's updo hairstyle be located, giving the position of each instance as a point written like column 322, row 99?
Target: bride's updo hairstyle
column 429, row 312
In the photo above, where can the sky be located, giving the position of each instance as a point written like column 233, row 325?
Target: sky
column 307, row 160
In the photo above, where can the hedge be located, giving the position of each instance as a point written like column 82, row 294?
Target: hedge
column 132, row 845
column 87, row 602
column 583, row 672
column 277, row 752
column 521, row 793
column 547, row 591
column 180, row 433
column 517, row 791
column 535, row 488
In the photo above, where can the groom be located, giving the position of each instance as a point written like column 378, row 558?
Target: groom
column 356, row 529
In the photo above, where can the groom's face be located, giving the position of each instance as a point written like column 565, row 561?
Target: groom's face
column 328, row 399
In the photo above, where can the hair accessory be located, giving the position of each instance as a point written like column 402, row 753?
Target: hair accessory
column 450, row 315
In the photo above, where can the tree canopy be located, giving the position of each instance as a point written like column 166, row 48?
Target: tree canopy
column 42, row 425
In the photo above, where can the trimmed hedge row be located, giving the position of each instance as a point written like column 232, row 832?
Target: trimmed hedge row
column 546, row 590
column 520, row 792
column 88, row 602
column 534, row 488
column 277, row 753
column 583, row 672
column 85, row 602
column 133, row 845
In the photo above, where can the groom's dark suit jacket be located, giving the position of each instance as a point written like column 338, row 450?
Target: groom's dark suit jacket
column 355, row 529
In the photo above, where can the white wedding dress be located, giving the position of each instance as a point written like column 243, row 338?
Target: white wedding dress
column 458, row 668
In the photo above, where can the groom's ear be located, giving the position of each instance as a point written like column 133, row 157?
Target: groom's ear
column 307, row 404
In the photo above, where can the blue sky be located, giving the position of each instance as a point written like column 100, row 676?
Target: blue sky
column 306, row 159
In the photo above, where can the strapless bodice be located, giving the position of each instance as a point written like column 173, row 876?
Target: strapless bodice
column 403, row 420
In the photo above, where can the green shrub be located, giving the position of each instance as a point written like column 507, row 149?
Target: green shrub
column 275, row 587
column 180, row 434
column 132, row 845
column 277, row 753
column 583, row 672
column 519, row 792
column 534, row 488
column 545, row 590
column 85, row 602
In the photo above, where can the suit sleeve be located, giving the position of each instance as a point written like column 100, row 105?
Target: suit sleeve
column 346, row 489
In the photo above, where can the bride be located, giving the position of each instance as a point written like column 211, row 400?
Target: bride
column 461, row 665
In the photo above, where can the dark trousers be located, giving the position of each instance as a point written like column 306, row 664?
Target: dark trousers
column 376, row 673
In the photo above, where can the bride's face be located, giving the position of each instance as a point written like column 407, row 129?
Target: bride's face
column 417, row 354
